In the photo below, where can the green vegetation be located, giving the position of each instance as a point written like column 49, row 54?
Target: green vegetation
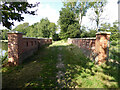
column 4, row 35
column 113, row 29
column 4, row 58
column 4, row 52
column 68, row 25
column 44, row 28
column 39, row 71
column 114, row 51
column 85, row 74
column 10, row 11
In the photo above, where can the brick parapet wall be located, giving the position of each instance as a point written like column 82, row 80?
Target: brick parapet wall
column 20, row 48
column 87, row 43
column 95, row 48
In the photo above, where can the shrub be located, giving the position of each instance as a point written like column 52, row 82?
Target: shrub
column 55, row 37
column 114, row 43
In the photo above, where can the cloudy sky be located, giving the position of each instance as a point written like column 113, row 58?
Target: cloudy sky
column 51, row 8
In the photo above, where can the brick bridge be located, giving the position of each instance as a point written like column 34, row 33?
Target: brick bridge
column 19, row 47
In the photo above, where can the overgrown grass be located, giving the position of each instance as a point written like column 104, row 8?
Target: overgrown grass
column 83, row 73
column 114, row 51
column 39, row 71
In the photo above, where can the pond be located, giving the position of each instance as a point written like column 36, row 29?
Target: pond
column 3, row 48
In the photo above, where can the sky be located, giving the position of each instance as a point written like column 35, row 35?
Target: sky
column 51, row 8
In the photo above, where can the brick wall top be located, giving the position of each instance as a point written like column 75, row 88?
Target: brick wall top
column 103, row 33
column 15, row 32
column 20, row 47
column 82, row 38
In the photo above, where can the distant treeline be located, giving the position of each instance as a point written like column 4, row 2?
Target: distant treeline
column 47, row 29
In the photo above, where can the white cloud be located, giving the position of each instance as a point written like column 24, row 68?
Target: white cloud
column 47, row 11
column 44, row 10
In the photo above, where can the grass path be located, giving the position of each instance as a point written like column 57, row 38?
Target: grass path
column 60, row 66
column 60, row 74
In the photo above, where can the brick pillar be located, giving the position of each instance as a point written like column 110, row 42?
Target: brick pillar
column 102, row 46
column 14, row 47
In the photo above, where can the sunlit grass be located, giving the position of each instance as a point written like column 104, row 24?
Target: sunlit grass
column 86, row 73
column 39, row 71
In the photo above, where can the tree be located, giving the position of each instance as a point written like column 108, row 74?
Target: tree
column 33, row 31
column 80, row 9
column 105, row 27
column 67, row 18
column 22, row 28
column 92, row 33
column 13, row 11
column 52, row 29
column 72, row 13
column 4, row 34
column 98, row 8
column 55, row 37
column 113, row 29
column 44, row 26
column 73, row 30
column 41, row 29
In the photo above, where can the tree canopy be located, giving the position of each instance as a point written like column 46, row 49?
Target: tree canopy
column 42, row 29
column 13, row 11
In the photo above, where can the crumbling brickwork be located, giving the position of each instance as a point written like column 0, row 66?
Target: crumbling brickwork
column 95, row 48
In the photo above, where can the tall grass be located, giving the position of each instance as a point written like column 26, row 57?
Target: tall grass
column 39, row 71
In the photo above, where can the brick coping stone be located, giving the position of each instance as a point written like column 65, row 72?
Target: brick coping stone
column 103, row 32
column 83, row 38
column 15, row 32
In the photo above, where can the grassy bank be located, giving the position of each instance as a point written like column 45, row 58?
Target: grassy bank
column 39, row 71
column 83, row 73
column 114, row 51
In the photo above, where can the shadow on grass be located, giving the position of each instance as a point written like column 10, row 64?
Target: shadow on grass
column 113, row 70
column 82, row 72
column 39, row 70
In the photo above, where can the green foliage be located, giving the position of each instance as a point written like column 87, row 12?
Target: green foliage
column 73, row 30
column 89, row 33
column 105, row 27
column 52, row 28
column 42, row 29
column 4, row 58
column 34, row 30
column 71, row 18
column 44, row 26
column 113, row 29
column 4, row 35
column 114, row 43
column 67, row 22
column 92, row 33
column 98, row 9
column 78, row 71
column 22, row 28
column 114, row 50
column 13, row 11
column 55, row 37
